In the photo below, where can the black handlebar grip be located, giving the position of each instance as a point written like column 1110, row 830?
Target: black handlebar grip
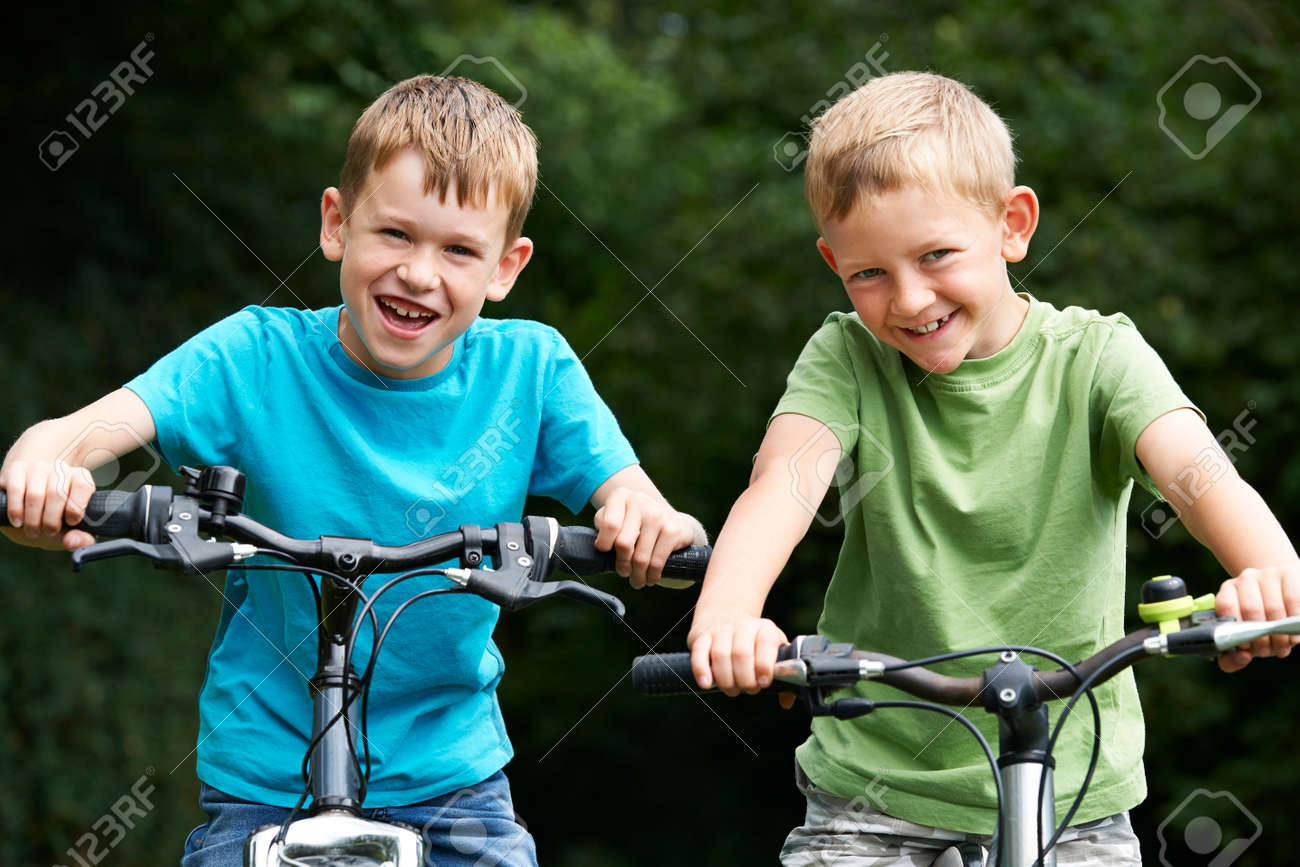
column 124, row 514
column 689, row 563
column 118, row 514
column 575, row 554
column 663, row 674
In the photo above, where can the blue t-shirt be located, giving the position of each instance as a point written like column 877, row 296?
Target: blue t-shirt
column 330, row 448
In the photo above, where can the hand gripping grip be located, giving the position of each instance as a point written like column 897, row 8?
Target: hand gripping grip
column 670, row 673
column 575, row 554
column 134, row 515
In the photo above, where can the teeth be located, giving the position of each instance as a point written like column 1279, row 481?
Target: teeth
column 926, row 329
column 402, row 311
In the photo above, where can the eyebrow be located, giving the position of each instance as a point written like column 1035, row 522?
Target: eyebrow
column 939, row 243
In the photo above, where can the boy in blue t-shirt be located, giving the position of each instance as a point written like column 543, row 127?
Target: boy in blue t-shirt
column 397, row 415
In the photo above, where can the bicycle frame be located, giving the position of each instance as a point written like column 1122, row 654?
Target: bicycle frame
column 1024, row 763
column 158, row 525
column 1177, row 624
column 335, row 824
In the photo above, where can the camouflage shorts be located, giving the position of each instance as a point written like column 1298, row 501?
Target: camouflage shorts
column 845, row 833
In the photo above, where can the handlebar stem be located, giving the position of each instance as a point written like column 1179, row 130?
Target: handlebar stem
column 1024, row 734
column 1010, row 693
column 335, row 783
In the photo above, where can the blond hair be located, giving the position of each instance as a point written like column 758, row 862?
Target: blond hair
column 908, row 129
column 467, row 134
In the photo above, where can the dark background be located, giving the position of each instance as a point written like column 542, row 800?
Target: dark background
column 658, row 126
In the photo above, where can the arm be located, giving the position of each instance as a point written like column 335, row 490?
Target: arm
column 1228, row 516
column 46, row 475
column 731, row 643
column 642, row 527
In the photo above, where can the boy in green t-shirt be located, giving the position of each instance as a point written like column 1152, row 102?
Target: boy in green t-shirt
column 993, row 442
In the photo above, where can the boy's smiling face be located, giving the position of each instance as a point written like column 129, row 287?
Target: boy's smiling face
column 416, row 269
column 926, row 271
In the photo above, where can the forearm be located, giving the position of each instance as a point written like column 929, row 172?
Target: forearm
column 1234, row 522
column 764, row 526
column 49, row 441
column 110, row 427
column 1227, row 516
column 633, row 478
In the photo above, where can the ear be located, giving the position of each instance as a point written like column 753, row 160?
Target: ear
column 1019, row 221
column 333, row 234
column 512, row 262
column 828, row 254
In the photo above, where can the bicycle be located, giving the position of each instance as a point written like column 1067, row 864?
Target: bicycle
column 1016, row 692
column 165, row 528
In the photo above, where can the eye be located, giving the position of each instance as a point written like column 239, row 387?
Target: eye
column 395, row 233
column 935, row 255
column 461, row 250
column 868, row 273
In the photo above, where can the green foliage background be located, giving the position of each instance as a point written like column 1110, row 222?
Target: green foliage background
column 657, row 127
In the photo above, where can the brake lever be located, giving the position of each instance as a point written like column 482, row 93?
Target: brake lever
column 116, row 548
column 583, row 593
column 514, row 589
column 190, row 556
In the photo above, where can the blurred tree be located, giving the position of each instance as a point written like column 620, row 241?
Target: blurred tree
column 675, row 253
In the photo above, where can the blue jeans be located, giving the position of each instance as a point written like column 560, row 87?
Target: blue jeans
column 474, row 827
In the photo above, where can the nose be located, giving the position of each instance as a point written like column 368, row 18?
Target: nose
column 912, row 295
column 420, row 271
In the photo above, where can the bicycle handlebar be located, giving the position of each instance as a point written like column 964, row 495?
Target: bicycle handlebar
column 157, row 523
column 810, row 661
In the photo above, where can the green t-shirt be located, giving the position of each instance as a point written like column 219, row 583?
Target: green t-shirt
column 982, row 507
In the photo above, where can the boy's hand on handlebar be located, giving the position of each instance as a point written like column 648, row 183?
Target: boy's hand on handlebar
column 1259, row 594
column 42, row 497
column 735, row 653
column 643, row 530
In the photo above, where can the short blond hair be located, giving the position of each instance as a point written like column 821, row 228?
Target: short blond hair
column 466, row 133
column 908, row 129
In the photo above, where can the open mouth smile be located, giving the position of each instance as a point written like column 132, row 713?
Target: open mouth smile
column 404, row 318
column 930, row 329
